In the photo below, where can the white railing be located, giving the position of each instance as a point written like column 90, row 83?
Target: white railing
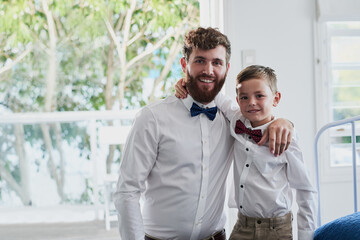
column 353, row 144
column 90, row 117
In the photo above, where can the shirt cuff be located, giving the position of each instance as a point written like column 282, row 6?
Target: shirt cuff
column 305, row 235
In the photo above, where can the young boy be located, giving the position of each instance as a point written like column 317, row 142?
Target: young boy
column 263, row 182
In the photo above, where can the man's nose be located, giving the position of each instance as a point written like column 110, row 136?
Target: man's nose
column 208, row 69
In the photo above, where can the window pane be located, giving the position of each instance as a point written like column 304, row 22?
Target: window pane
column 343, row 25
column 342, row 113
column 348, row 96
column 345, row 49
column 341, row 154
column 346, row 102
column 346, row 77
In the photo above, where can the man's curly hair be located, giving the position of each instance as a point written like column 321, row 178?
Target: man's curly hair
column 205, row 39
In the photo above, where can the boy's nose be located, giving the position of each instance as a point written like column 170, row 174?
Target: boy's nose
column 252, row 101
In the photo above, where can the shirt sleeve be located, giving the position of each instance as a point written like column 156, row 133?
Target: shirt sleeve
column 226, row 105
column 305, row 192
column 138, row 160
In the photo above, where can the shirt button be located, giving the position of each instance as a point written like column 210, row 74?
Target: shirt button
column 249, row 137
column 240, row 206
column 247, row 165
column 247, row 149
column 242, row 186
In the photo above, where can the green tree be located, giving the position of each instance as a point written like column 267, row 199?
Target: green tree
column 82, row 55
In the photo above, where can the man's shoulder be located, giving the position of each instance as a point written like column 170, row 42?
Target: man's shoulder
column 170, row 100
column 160, row 106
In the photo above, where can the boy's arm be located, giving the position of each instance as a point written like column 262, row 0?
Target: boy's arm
column 299, row 180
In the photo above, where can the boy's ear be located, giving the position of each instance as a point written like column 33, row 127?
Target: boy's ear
column 183, row 64
column 277, row 99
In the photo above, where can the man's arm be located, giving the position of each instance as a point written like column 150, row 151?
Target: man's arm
column 279, row 132
column 138, row 160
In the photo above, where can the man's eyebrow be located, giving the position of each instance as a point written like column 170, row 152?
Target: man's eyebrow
column 203, row 58
column 218, row 59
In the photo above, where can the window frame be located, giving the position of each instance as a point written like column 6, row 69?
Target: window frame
column 323, row 96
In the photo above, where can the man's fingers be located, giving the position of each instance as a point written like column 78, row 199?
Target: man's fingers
column 278, row 133
column 264, row 138
column 272, row 137
column 183, row 82
column 180, row 91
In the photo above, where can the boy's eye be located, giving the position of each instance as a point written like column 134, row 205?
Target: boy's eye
column 199, row 61
column 260, row 96
column 243, row 98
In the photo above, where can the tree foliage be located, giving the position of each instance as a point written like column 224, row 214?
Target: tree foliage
column 83, row 55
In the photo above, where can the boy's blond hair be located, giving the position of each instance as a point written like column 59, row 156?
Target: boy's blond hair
column 258, row 72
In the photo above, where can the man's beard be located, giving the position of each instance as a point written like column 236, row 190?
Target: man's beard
column 200, row 95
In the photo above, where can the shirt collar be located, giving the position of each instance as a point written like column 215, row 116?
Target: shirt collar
column 189, row 101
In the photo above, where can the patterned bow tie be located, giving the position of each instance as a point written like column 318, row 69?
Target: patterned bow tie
column 256, row 135
column 209, row 112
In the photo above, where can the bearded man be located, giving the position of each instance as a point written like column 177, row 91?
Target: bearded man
column 179, row 151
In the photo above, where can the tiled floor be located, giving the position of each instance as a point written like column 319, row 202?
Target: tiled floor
column 94, row 230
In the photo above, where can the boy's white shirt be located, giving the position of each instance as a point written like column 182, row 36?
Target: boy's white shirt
column 298, row 177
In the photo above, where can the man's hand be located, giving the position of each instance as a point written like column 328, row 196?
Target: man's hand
column 180, row 89
column 279, row 134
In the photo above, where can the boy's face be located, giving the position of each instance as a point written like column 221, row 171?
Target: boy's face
column 256, row 101
column 205, row 73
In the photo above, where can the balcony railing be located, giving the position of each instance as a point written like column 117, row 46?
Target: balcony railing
column 55, row 159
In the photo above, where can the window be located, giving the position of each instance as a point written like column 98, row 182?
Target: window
column 338, row 93
column 344, row 67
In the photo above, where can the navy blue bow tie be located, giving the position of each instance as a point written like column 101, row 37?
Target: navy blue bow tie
column 209, row 112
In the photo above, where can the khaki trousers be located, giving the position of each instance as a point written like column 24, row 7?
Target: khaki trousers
column 249, row 228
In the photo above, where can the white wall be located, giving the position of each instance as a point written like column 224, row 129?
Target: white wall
column 281, row 33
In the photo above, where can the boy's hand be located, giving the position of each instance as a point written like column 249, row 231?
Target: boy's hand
column 279, row 134
column 180, row 89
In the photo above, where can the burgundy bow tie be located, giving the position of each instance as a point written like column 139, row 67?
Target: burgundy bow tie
column 256, row 135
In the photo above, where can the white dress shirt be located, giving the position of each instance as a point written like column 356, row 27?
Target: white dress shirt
column 179, row 164
column 264, row 183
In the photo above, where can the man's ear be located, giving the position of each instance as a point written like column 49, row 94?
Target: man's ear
column 277, row 99
column 183, row 64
